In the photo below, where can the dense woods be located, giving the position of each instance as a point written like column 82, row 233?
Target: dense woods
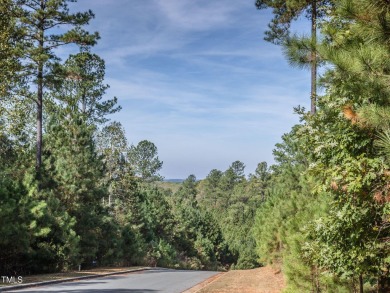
column 325, row 222
column 74, row 191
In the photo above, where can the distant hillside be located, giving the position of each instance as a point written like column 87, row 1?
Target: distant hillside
column 170, row 184
column 174, row 180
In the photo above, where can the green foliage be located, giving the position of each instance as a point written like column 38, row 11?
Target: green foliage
column 281, row 226
column 54, row 244
column 78, row 84
column 9, row 34
column 231, row 194
column 326, row 219
column 35, row 47
column 145, row 161
column 301, row 51
column 347, row 239
column 17, row 213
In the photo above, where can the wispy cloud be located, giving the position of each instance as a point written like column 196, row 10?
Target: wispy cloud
column 202, row 15
column 196, row 78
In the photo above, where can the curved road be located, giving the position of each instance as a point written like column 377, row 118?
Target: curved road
column 150, row 281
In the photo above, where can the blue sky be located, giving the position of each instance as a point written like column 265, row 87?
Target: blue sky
column 197, row 79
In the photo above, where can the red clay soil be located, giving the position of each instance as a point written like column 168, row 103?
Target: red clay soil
column 261, row 280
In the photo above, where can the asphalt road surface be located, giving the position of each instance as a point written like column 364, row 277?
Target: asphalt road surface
column 150, row 281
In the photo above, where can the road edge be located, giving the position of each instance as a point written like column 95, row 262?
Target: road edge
column 204, row 283
column 36, row 284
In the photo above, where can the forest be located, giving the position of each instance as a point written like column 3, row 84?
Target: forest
column 74, row 192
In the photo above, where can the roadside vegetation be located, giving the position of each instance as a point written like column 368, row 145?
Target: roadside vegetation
column 326, row 218
column 74, row 192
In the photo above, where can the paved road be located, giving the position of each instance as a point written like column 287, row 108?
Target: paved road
column 151, row 281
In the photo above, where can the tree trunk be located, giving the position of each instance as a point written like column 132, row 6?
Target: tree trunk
column 83, row 103
column 361, row 283
column 313, row 94
column 40, row 95
column 39, row 125
column 383, row 284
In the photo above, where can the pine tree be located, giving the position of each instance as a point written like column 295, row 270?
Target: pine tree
column 78, row 85
column 112, row 145
column 77, row 173
column 356, row 43
column 145, row 162
column 37, row 19
column 209, row 199
column 300, row 52
column 9, row 35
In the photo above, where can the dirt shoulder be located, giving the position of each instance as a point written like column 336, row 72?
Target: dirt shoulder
column 260, row 280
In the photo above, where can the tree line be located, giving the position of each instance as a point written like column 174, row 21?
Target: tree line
column 326, row 219
column 73, row 191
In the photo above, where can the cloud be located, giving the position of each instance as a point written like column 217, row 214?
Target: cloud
column 188, row 15
column 132, row 29
column 196, row 78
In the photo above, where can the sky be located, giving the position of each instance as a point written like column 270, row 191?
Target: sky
column 196, row 78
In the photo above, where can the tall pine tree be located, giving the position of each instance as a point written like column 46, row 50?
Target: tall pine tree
column 37, row 19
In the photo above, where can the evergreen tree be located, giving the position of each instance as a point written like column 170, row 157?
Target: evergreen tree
column 145, row 162
column 112, row 146
column 77, row 173
column 212, row 193
column 78, row 85
column 355, row 43
column 301, row 52
column 9, row 35
column 260, row 179
column 37, row 19
column 72, row 158
column 200, row 235
column 282, row 220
